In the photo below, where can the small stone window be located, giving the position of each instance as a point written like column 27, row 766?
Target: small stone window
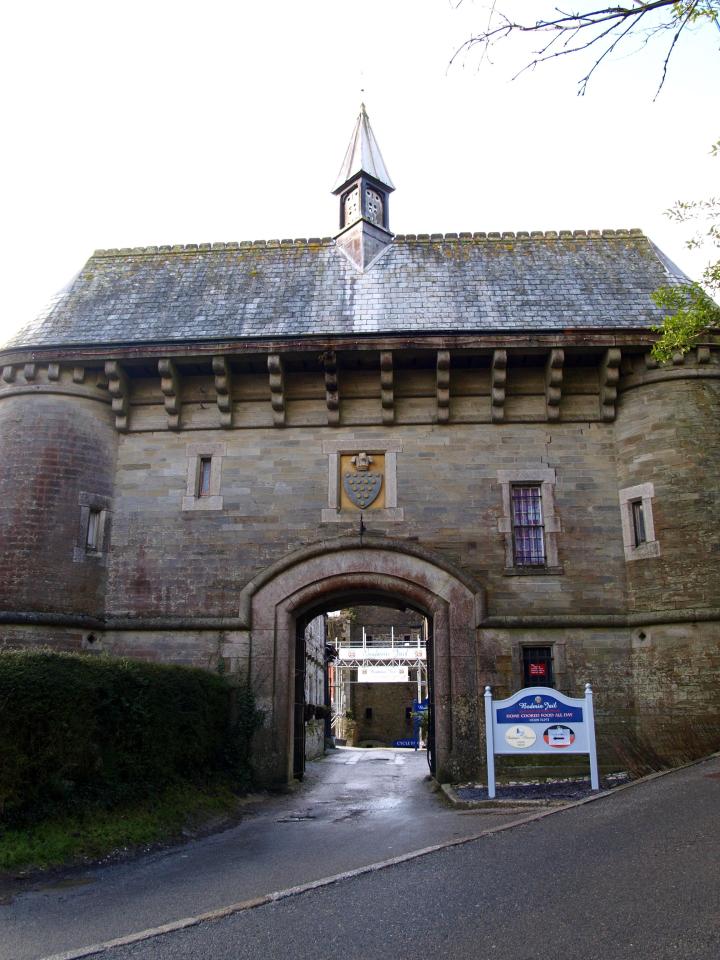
column 93, row 537
column 638, row 526
column 638, row 520
column 93, row 528
column 204, row 476
column 368, row 713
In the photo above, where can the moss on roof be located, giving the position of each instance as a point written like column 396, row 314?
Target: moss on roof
column 295, row 288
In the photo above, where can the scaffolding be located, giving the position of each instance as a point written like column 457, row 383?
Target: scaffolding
column 404, row 648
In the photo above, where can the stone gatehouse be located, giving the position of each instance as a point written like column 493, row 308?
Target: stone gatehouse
column 201, row 447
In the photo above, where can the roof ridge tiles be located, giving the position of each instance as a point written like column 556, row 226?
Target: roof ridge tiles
column 211, row 247
column 453, row 237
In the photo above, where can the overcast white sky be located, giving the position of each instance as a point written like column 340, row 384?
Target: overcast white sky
column 155, row 122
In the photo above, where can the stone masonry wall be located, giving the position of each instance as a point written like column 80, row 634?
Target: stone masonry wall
column 274, row 486
column 388, row 703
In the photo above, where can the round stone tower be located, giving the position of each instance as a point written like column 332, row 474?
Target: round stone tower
column 57, row 431
column 668, row 460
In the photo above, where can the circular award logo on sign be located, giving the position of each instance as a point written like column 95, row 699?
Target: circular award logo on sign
column 520, row 737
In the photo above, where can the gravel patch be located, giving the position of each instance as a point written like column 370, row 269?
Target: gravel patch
column 571, row 788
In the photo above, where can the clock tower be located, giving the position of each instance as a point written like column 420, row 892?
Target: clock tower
column 363, row 187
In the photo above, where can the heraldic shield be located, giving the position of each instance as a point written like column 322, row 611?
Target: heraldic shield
column 362, row 488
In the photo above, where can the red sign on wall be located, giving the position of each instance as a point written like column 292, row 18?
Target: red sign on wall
column 538, row 669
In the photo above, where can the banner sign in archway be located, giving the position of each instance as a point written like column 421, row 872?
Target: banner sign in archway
column 540, row 720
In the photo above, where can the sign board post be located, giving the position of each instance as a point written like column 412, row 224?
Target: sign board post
column 540, row 720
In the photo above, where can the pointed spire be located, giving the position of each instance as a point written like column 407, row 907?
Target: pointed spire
column 363, row 156
column 363, row 189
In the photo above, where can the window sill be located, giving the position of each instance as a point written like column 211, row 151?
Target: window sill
column 80, row 555
column 533, row 571
column 202, row 503
column 645, row 551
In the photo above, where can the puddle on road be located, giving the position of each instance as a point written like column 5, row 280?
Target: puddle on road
column 67, row 883
column 297, row 818
column 352, row 814
column 386, row 803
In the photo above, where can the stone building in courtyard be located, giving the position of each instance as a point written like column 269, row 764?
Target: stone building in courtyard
column 204, row 447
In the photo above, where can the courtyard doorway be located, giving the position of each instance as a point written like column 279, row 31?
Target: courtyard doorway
column 348, row 571
column 362, row 678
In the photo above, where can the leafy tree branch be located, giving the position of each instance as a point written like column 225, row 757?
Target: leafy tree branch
column 690, row 307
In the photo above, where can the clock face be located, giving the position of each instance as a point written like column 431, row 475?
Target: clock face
column 352, row 206
column 373, row 206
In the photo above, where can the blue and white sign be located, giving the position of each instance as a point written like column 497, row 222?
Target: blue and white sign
column 540, row 720
column 539, row 708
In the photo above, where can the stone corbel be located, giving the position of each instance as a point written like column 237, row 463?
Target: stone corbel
column 120, row 393
column 553, row 383
column 78, row 374
column 443, row 386
column 29, row 371
column 223, row 389
column 170, row 387
column 277, row 388
column 609, row 376
column 332, row 396
column 8, row 374
column 53, row 371
column 387, row 388
column 498, row 381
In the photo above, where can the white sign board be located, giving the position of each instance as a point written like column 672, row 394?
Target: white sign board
column 540, row 720
column 383, row 675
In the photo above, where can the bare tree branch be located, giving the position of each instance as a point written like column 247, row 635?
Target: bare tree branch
column 603, row 29
column 670, row 51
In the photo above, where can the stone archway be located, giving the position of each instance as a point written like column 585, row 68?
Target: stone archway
column 345, row 568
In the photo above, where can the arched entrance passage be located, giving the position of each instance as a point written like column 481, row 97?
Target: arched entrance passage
column 336, row 573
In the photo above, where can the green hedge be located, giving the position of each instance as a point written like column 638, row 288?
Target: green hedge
column 79, row 731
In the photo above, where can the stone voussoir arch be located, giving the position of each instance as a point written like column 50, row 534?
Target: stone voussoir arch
column 346, row 568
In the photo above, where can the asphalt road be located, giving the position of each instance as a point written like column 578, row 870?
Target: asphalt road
column 355, row 808
column 632, row 875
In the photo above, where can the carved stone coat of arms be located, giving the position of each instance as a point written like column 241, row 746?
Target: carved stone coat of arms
column 363, row 486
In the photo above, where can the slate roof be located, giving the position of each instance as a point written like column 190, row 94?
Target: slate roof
column 296, row 288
